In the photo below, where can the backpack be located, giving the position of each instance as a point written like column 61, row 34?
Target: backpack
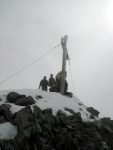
column 58, row 76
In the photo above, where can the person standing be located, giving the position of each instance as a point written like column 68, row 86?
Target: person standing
column 52, row 84
column 70, row 94
column 43, row 84
column 58, row 80
column 51, row 80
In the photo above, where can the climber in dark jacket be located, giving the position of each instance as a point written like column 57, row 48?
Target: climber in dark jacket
column 51, row 80
column 43, row 84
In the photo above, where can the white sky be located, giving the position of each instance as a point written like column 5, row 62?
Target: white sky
column 50, row 100
column 29, row 29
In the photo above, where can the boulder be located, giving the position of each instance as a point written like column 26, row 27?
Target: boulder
column 47, row 111
column 24, row 118
column 61, row 113
column 6, row 114
column 23, row 137
column 12, row 97
column 93, row 111
column 107, row 121
column 25, row 101
column 6, row 106
column 2, row 119
column 36, row 111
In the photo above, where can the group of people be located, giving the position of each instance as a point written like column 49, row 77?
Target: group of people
column 54, row 84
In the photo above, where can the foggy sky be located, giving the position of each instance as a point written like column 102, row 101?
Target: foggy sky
column 29, row 29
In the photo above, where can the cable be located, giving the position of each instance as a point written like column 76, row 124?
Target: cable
column 29, row 65
column 71, row 77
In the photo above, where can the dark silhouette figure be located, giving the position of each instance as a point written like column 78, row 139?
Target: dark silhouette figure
column 65, row 90
column 43, row 84
column 51, row 80
column 53, row 88
column 52, row 84
column 58, row 81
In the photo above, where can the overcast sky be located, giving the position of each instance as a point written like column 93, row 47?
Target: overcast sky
column 29, row 29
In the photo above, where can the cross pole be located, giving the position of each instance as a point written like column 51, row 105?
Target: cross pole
column 65, row 57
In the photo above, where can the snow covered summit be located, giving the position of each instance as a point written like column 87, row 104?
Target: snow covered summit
column 49, row 100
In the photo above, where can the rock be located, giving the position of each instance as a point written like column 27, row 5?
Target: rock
column 2, row 109
column 36, row 128
column 39, row 96
column 6, row 114
column 92, row 117
column 6, row 106
column 20, row 141
column 47, row 111
column 56, row 121
column 12, row 97
column 23, row 137
column 61, row 113
column 108, row 129
column 90, row 145
column 2, row 119
column 68, row 140
column 46, row 128
column 80, row 109
column 25, row 101
column 9, row 117
column 70, row 110
column 93, row 111
column 104, row 146
column 80, row 104
column 21, row 96
column 74, row 118
column 36, row 111
column 41, row 144
column 24, row 118
column 47, row 132
column 107, row 121
column 8, row 145
column 61, row 116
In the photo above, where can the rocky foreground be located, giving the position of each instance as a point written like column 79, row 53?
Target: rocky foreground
column 40, row 130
